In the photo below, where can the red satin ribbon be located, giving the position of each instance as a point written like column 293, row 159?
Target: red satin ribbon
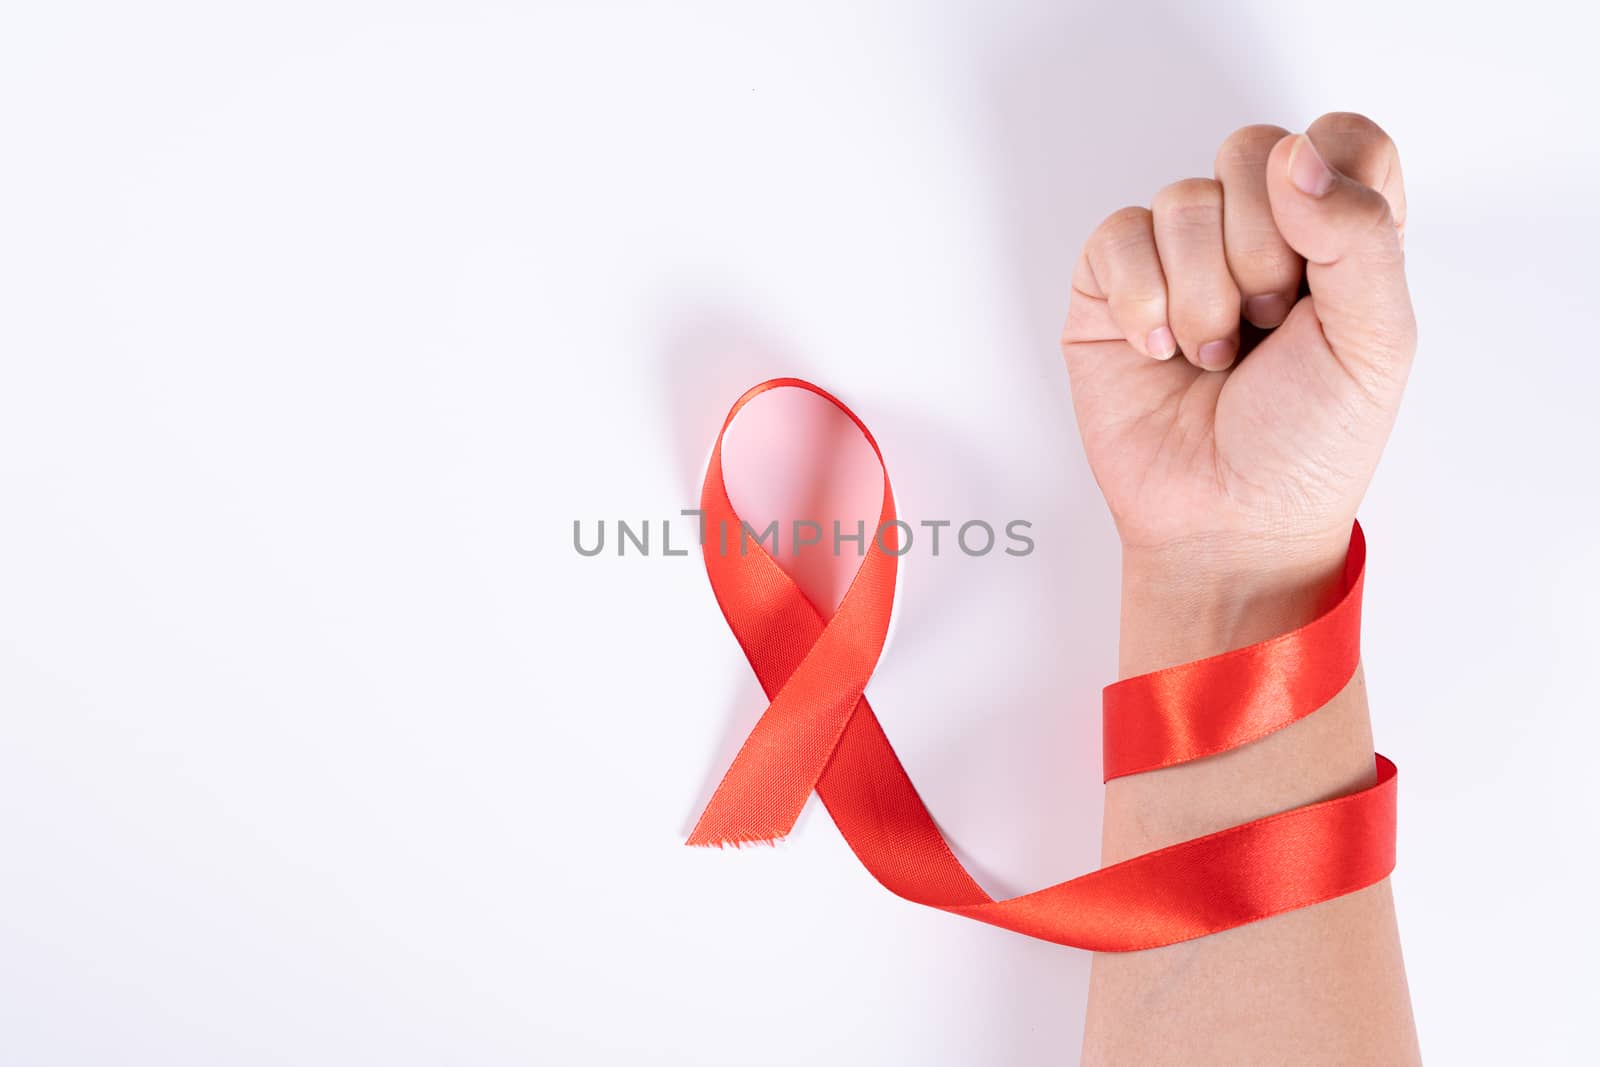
column 819, row 733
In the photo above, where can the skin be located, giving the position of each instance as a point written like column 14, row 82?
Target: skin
column 1233, row 480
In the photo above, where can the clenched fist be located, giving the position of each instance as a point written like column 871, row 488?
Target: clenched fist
column 1238, row 350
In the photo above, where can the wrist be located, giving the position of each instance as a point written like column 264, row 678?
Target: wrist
column 1186, row 601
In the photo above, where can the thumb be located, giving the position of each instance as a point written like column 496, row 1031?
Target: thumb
column 1355, row 268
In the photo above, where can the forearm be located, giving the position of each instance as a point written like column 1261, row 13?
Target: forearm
column 1324, row 984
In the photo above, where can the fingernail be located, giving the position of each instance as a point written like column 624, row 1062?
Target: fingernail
column 1266, row 310
column 1215, row 355
column 1160, row 343
column 1307, row 170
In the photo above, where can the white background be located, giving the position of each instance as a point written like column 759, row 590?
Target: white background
column 321, row 322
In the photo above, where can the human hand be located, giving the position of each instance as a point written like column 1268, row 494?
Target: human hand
column 1233, row 480
column 1224, row 469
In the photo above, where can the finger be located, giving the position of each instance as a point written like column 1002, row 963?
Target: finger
column 1354, row 266
column 1203, row 302
column 1264, row 267
column 1357, row 147
column 1120, row 267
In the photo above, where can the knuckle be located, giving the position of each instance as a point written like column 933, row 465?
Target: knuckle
column 1141, row 303
column 1126, row 219
column 1139, row 309
column 1193, row 201
column 1123, row 227
column 1262, row 261
column 1208, row 308
column 1248, row 146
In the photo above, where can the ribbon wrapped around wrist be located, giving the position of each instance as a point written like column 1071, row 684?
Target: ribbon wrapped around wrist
column 819, row 733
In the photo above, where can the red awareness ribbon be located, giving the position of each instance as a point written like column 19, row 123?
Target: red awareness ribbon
column 819, row 733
